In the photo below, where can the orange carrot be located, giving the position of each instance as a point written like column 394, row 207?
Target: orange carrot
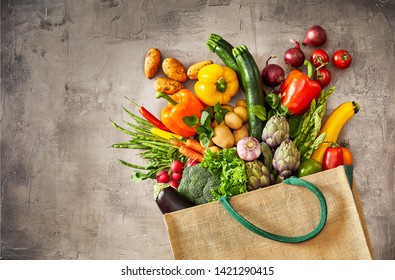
column 195, row 145
column 176, row 143
column 191, row 154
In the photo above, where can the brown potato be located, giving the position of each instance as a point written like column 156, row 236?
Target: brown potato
column 241, row 102
column 174, row 69
column 228, row 106
column 193, row 70
column 223, row 137
column 215, row 149
column 242, row 112
column 152, row 63
column 240, row 133
column 233, row 121
column 167, row 85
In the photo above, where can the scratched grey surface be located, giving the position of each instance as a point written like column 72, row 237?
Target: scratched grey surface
column 66, row 66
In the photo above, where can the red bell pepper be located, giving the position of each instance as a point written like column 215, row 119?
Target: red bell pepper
column 298, row 90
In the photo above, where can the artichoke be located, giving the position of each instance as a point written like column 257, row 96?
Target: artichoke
column 258, row 176
column 286, row 159
column 275, row 131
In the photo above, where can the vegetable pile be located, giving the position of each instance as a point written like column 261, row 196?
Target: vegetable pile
column 207, row 143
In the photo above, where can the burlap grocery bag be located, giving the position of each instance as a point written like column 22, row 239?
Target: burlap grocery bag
column 333, row 227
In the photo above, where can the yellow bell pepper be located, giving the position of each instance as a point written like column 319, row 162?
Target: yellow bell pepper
column 216, row 83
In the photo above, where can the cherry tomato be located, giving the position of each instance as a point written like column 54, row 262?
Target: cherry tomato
column 322, row 76
column 341, row 59
column 309, row 166
column 319, row 57
column 333, row 157
column 347, row 155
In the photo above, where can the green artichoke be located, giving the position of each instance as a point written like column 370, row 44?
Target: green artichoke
column 275, row 131
column 286, row 159
column 258, row 176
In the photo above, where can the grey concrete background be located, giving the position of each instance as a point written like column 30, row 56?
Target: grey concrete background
column 66, row 66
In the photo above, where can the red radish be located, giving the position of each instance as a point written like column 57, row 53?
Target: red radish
column 174, row 183
column 191, row 162
column 272, row 75
column 315, row 36
column 294, row 57
column 176, row 176
column 176, row 166
column 163, row 176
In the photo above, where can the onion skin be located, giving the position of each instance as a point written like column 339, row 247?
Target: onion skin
column 273, row 74
column 315, row 36
column 294, row 57
column 248, row 148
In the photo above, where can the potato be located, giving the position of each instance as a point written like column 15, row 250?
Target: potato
column 215, row 149
column 233, row 121
column 242, row 112
column 167, row 85
column 241, row 102
column 152, row 63
column 228, row 106
column 223, row 137
column 174, row 69
column 240, row 133
column 193, row 70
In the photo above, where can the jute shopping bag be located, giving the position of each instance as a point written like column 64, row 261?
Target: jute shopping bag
column 335, row 228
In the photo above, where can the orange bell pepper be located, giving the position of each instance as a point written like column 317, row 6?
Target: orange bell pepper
column 182, row 104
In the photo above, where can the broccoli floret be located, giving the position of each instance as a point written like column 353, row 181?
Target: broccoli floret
column 196, row 184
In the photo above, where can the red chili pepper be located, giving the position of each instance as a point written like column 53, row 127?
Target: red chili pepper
column 150, row 117
column 298, row 90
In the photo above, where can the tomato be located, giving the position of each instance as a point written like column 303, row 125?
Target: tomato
column 341, row 59
column 347, row 155
column 333, row 157
column 309, row 166
column 319, row 57
column 322, row 76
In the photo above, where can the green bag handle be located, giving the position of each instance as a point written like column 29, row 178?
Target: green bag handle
column 286, row 239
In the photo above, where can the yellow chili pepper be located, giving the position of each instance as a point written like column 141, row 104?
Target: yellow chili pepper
column 216, row 83
column 164, row 134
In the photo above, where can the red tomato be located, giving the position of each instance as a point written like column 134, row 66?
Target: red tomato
column 333, row 157
column 341, row 59
column 347, row 155
column 322, row 76
column 319, row 57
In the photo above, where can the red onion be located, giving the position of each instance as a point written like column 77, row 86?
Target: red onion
column 315, row 36
column 294, row 57
column 272, row 74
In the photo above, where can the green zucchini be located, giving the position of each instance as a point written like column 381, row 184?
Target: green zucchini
column 253, row 87
column 223, row 49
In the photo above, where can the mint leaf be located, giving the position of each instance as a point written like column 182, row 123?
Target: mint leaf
column 205, row 119
column 259, row 111
column 191, row 121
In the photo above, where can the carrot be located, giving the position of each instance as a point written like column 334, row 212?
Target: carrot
column 191, row 154
column 195, row 145
column 176, row 142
